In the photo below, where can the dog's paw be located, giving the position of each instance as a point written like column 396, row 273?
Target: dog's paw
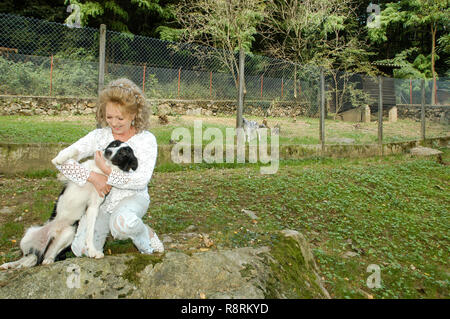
column 59, row 160
column 24, row 262
column 12, row 265
column 48, row 261
column 99, row 255
column 6, row 266
column 94, row 253
column 62, row 157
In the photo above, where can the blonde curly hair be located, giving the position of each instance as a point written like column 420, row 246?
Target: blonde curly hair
column 130, row 99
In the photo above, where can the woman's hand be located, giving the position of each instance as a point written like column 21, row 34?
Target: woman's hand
column 99, row 182
column 101, row 163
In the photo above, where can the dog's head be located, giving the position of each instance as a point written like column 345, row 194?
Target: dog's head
column 121, row 155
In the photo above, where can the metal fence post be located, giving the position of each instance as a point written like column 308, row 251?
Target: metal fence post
column 241, row 88
column 179, row 82
column 101, row 58
column 322, row 109
column 295, row 81
column 262, row 84
column 422, row 113
column 380, row 114
column 143, row 78
column 210, row 85
column 51, row 74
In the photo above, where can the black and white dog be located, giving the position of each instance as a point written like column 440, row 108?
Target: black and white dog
column 252, row 129
column 42, row 244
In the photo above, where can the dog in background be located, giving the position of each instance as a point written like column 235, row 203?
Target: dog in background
column 43, row 244
column 251, row 128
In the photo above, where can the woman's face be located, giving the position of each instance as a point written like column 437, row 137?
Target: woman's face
column 120, row 123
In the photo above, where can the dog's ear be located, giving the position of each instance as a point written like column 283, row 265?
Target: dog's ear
column 133, row 163
column 125, row 159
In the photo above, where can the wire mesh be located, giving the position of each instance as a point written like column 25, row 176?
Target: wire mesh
column 50, row 59
column 31, row 36
column 47, row 76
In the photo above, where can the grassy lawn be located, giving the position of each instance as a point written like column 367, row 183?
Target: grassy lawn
column 54, row 129
column 391, row 211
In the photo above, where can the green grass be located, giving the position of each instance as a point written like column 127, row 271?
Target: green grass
column 23, row 129
column 54, row 129
column 392, row 211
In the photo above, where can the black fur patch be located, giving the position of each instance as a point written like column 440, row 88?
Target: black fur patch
column 125, row 159
column 62, row 254
column 53, row 215
column 39, row 254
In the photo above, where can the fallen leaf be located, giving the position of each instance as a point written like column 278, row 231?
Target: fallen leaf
column 202, row 295
column 207, row 241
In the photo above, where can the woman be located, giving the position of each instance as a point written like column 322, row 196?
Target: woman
column 123, row 114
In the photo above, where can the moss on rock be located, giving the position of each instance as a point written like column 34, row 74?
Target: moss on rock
column 293, row 272
column 137, row 264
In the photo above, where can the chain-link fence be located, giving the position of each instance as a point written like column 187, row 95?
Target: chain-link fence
column 41, row 58
column 31, row 36
column 167, row 70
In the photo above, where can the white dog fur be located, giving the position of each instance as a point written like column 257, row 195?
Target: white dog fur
column 41, row 244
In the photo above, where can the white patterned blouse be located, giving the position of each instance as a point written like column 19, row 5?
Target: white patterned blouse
column 124, row 184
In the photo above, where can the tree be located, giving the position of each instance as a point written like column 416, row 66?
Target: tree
column 50, row 10
column 294, row 28
column 411, row 14
column 323, row 33
column 225, row 25
column 118, row 14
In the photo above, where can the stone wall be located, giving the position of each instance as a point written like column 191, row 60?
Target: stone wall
column 434, row 113
column 41, row 105
column 22, row 158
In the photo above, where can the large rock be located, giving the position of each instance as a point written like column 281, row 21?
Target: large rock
column 341, row 140
column 424, row 151
column 164, row 109
column 393, row 114
column 194, row 112
column 285, row 270
column 352, row 115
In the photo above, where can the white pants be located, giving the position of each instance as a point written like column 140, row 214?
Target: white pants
column 123, row 223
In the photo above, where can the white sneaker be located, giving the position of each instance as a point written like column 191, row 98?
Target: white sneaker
column 156, row 244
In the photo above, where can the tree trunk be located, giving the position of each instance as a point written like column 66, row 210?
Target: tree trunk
column 295, row 81
column 433, row 50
